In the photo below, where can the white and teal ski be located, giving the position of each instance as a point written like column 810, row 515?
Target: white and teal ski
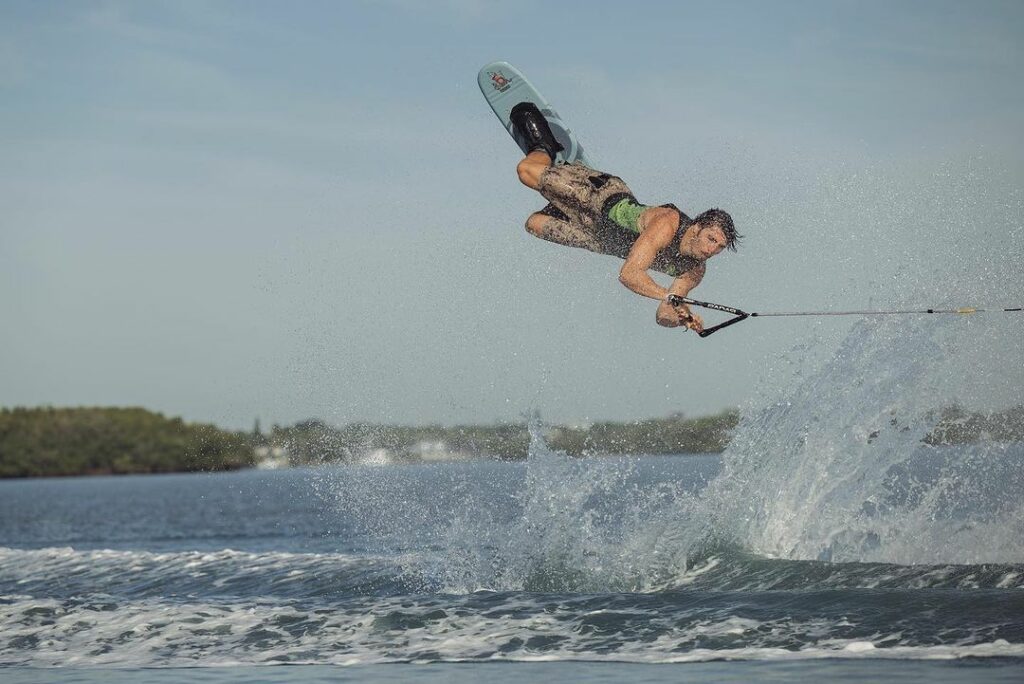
column 504, row 87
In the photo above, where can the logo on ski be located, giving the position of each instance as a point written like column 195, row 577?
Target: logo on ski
column 498, row 80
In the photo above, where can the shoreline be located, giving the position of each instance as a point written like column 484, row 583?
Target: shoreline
column 98, row 441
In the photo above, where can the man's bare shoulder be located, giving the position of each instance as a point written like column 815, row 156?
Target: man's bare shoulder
column 660, row 217
column 658, row 224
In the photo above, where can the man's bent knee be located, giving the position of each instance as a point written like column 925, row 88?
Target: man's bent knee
column 532, row 167
column 535, row 224
column 526, row 174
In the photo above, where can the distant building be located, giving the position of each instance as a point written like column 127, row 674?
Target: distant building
column 436, row 450
column 376, row 457
column 271, row 457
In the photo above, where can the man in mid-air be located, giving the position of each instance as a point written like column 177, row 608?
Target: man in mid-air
column 598, row 212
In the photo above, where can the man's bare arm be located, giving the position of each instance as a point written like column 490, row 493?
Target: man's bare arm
column 658, row 226
column 658, row 231
column 674, row 316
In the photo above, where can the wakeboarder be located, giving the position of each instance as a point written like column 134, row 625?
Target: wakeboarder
column 597, row 211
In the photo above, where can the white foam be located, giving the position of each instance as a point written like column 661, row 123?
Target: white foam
column 162, row 634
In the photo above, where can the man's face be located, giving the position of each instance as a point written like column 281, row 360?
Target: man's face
column 710, row 240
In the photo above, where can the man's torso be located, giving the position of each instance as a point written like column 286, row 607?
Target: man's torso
column 603, row 205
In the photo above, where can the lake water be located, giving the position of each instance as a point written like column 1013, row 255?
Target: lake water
column 827, row 543
column 459, row 565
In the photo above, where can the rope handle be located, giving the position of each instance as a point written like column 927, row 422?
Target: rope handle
column 740, row 315
column 676, row 300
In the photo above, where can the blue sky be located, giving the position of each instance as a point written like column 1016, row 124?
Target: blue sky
column 225, row 210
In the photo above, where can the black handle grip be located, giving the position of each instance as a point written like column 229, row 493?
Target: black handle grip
column 732, row 321
column 676, row 300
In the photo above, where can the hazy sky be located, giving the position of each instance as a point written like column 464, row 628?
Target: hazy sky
column 225, row 210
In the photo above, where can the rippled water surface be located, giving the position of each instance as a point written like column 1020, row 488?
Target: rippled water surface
column 828, row 542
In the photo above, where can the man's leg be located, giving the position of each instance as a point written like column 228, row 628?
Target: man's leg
column 561, row 232
column 542, row 225
column 531, row 167
column 533, row 127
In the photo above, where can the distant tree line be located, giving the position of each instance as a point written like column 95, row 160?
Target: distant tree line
column 676, row 434
column 313, row 442
column 94, row 441
column 85, row 441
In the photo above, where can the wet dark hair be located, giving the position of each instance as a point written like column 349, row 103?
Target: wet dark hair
column 717, row 217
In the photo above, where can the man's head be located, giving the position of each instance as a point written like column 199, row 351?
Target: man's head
column 710, row 233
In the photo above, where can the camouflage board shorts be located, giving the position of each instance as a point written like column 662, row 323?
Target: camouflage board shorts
column 582, row 196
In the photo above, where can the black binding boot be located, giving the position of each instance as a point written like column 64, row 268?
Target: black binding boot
column 531, row 124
